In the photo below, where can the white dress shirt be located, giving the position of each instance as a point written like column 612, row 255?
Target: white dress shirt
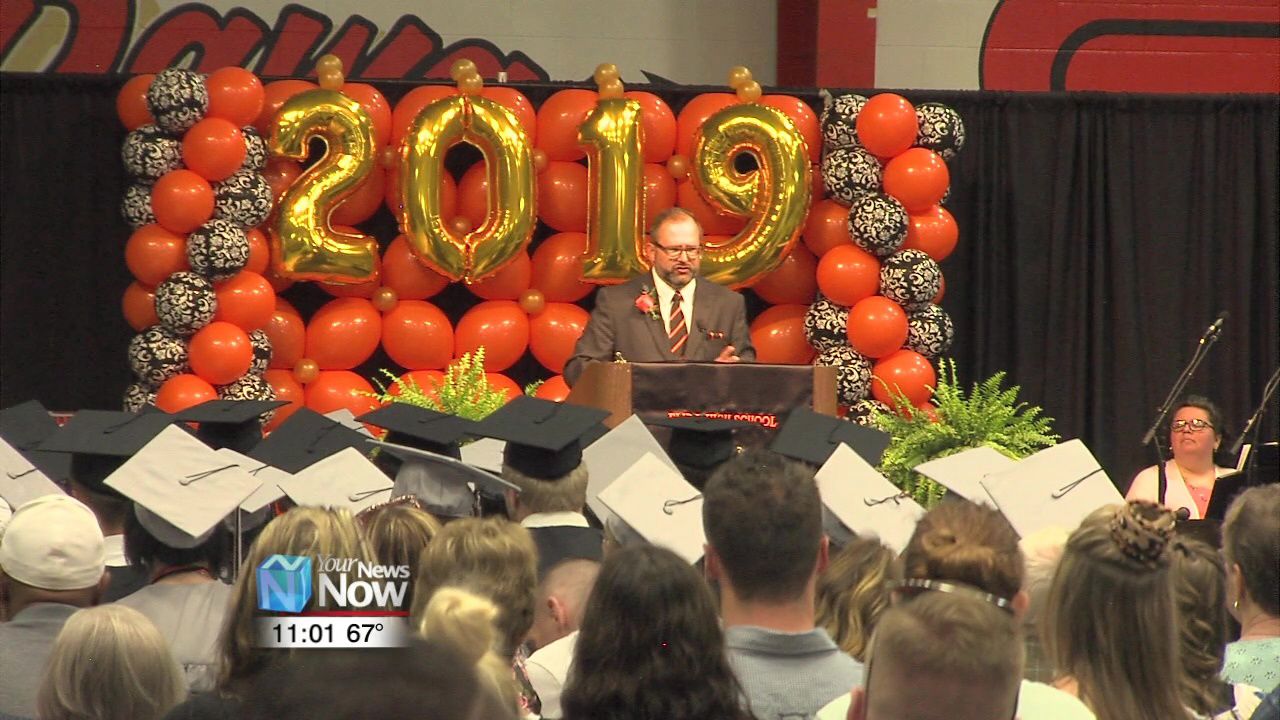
column 665, row 295
column 114, row 547
column 555, row 519
column 548, row 669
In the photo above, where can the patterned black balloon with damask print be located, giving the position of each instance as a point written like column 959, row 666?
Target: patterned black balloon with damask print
column 853, row 373
column 150, row 152
column 261, row 343
column 878, row 224
column 177, row 99
column 864, row 410
column 941, row 129
column 137, row 396
column 929, row 331
column 155, row 355
column 826, row 323
column 135, row 207
column 185, row 302
column 218, row 249
column 839, row 120
column 910, row 278
column 244, row 198
column 249, row 386
column 255, row 149
column 850, row 172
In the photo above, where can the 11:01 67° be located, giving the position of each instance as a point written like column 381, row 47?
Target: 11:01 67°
column 330, row 632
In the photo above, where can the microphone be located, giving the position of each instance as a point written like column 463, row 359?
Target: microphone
column 1215, row 328
column 1182, row 514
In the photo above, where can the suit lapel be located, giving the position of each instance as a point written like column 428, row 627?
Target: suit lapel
column 657, row 330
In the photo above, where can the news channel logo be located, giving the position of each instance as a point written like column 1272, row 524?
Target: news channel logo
column 285, row 584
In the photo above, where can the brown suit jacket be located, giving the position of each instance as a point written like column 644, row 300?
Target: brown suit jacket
column 617, row 326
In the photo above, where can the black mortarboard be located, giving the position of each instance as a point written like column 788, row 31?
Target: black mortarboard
column 306, row 437
column 100, row 441
column 27, row 425
column 420, row 427
column 701, row 442
column 235, row 424
column 440, row 481
column 812, row 437
column 544, row 438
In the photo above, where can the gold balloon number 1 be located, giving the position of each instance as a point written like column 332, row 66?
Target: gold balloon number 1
column 615, row 199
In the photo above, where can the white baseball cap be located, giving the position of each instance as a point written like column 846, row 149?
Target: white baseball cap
column 53, row 543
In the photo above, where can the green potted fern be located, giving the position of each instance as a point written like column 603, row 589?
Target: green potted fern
column 464, row 391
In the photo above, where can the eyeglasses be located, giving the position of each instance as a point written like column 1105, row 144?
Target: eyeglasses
column 674, row 252
column 1193, row 425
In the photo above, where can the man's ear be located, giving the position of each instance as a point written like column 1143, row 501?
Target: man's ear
column 559, row 612
column 1021, row 601
column 513, row 502
column 100, row 590
column 824, row 553
column 858, row 705
column 711, row 565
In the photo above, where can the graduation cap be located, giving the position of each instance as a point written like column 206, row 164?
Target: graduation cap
column 419, row 427
column 614, row 454
column 442, row 483
column 235, row 424
column 306, row 437
column 865, row 501
column 345, row 417
column 654, row 501
column 963, row 472
column 100, row 441
column 1059, row 486
column 27, row 425
column 812, row 437
column 345, row 479
column 701, row 442
column 181, row 488
column 255, row 509
column 20, row 480
column 544, row 438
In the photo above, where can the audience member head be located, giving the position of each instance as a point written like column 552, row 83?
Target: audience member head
column 763, row 521
column 1110, row 624
column 397, row 533
column 970, row 544
column 561, row 600
column 651, row 645
column 1042, row 550
column 143, row 548
column 1200, row 598
column 433, row 678
column 305, row 531
column 492, row 557
column 1251, row 546
column 941, row 656
column 110, row 663
column 567, row 493
column 853, row 592
column 467, row 621
column 51, row 551
column 112, row 511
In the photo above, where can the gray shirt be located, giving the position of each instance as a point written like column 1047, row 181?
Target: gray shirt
column 25, row 644
column 190, row 617
column 789, row 676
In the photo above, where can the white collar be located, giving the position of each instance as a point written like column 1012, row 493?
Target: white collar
column 666, row 292
column 563, row 518
column 114, row 547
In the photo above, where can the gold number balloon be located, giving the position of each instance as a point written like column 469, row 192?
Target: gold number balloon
column 305, row 247
column 508, row 157
column 615, row 200
column 775, row 196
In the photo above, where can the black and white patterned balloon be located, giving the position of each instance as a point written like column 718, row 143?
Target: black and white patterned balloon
column 157, row 354
column 261, row 343
column 150, row 152
column 218, row 249
column 850, row 172
column 839, row 120
column 136, row 205
column 853, row 376
column 137, row 396
column 941, row 129
column 243, row 198
column 910, row 278
column 929, row 331
column 177, row 99
column 185, row 302
column 255, row 155
column 825, row 324
column 878, row 224
column 863, row 411
column 249, row 386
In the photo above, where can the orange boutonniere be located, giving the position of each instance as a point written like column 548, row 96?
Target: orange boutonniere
column 647, row 303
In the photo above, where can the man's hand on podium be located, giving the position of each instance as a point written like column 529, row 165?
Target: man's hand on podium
column 728, row 355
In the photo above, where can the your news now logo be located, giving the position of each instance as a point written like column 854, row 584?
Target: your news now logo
column 285, row 583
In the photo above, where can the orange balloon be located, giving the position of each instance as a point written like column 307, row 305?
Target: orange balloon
column 562, row 196
column 306, row 370
column 693, row 114
column 338, row 389
column 417, row 335
column 259, row 252
column 804, row 119
column 794, row 282
column 139, row 306
column 532, row 301
column 220, row 353
column 235, row 94
column 274, row 94
column 508, row 283
column 500, row 326
column 659, row 191
column 557, row 268
column 279, row 284
column 558, row 121
column 554, row 332
column 402, row 272
column 934, row 231
column 428, row 381
column 131, row 103
column 877, row 326
column 280, row 173
column 288, row 335
column 153, row 254
column 213, row 148
column 182, row 201
column 827, row 227
column 712, row 221
column 918, row 178
column 183, row 391
column 376, row 105
column 343, row 333
column 847, row 274
column 448, row 195
column 504, row 384
column 412, row 103
column 904, row 371
column 554, row 389
column 364, row 202
column 657, row 126
column 778, row 336
column 285, row 388
column 887, row 125
column 473, row 195
column 515, row 101
column 245, row 300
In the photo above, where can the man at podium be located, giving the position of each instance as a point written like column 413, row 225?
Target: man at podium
column 669, row 314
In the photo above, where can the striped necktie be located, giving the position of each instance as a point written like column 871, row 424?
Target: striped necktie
column 679, row 334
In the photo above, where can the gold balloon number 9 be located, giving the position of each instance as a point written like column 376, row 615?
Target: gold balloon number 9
column 305, row 247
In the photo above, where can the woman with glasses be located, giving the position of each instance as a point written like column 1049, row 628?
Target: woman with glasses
column 1194, row 435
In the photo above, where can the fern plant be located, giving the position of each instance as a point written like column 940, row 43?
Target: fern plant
column 464, row 391
column 989, row 415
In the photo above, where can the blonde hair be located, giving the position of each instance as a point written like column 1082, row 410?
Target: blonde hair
column 397, row 534
column 854, row 591
column 467, row 622
column 306, row 531
column 565, row 494
column 110, row 663
column 493, row 557
column 1200, row 594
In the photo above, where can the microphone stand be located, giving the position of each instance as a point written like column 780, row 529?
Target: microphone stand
column 1254, row 426
column 1202, row 350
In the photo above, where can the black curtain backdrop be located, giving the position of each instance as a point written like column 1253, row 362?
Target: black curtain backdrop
column 1100, row 235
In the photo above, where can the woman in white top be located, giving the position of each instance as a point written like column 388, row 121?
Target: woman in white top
column 1194, row 435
